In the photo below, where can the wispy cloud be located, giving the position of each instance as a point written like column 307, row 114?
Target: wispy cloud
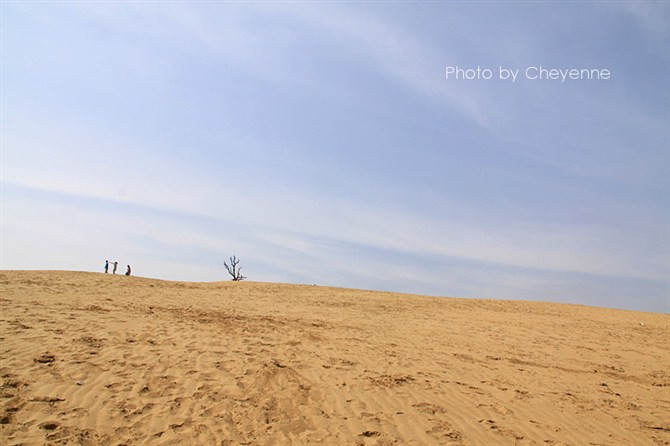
column 651, row 16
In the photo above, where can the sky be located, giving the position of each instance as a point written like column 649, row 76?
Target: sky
column 323, row 143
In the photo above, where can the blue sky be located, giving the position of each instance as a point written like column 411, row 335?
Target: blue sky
column 322, row 143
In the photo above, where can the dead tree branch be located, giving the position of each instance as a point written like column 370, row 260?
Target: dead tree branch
column 234, row 270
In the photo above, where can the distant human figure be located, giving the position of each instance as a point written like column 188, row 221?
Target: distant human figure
column 106, row 266
column 115, row 265
column 128, row 271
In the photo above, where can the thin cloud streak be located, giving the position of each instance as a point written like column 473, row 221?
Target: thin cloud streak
column 572, row 249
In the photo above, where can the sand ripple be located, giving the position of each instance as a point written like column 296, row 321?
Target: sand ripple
column 93, row 359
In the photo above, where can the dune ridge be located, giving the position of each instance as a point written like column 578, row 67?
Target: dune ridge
column 89, row 358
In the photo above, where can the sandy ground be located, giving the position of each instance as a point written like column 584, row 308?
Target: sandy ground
column 88, row 358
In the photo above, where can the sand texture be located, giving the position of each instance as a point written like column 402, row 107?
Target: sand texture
column 88, row 358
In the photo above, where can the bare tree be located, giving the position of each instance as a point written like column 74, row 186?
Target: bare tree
column 233, row 270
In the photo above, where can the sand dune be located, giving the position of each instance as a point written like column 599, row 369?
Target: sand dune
column 90, row 359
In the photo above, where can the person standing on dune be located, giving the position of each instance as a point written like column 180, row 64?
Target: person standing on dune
column 106, row 266
column 128, row 271
column 115, row 265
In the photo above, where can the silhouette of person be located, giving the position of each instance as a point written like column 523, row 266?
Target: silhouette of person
column 106, row 266
column 128, row 271
column 115, row 265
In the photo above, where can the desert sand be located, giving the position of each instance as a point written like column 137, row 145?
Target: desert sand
column 89, row 358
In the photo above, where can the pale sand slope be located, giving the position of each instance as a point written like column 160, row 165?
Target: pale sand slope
column 89, row 358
